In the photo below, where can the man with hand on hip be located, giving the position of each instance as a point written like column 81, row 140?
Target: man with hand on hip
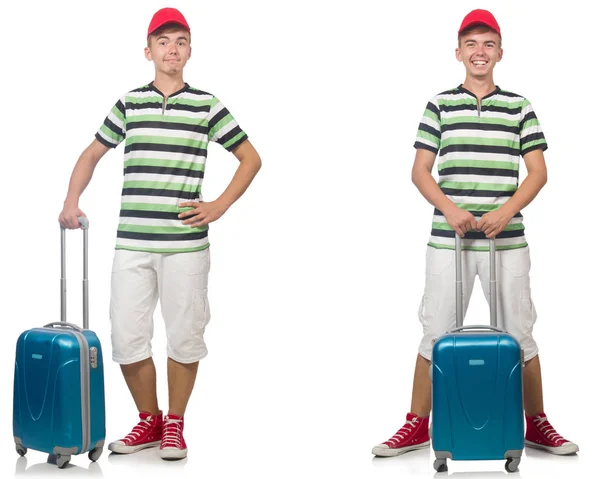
column 162, row 248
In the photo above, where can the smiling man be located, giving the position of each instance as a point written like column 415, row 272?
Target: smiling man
column 478, row 131
column 162, row 248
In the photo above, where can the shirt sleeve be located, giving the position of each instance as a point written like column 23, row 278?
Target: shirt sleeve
column 532, row 137
column 112, row 131
column 430, row 130
column 222, row 127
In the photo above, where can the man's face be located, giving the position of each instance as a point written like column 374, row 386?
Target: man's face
column 479, row 51
column 169, row 51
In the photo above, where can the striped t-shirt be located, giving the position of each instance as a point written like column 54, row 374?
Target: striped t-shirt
column 166, row 143
column 478, row 163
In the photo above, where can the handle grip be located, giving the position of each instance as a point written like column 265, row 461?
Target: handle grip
column 83, row 221
column 63, row 324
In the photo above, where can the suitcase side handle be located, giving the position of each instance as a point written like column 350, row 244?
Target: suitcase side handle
column 85, row 224
column 63, row 324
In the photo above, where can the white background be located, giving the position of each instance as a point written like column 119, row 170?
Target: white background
column 318, row 270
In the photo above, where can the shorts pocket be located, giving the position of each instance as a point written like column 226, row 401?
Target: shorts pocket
column 427, row 311
column 516, row 262
column 196, row 263
column 201, row 310
column 527, row 312
column 437, row 261
column 124, row 260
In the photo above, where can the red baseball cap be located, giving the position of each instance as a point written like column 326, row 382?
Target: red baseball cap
column 167, row 15
column 479, row 17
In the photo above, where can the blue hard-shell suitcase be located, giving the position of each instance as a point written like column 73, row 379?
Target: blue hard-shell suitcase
column 58, row 404
column 477, row 394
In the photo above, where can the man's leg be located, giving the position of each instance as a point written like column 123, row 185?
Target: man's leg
column 517, row 316
column 421, row 393
column 134, row 294
column 183, row 286
column 533, row 397
column 540, row 433
column 437, row 315
column 181, row 383
column 141, row 381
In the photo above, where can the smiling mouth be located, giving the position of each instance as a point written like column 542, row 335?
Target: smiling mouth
column 479, row 63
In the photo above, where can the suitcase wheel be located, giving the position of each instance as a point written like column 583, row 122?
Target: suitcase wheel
column 512, row 464
column 95, row 454
column 22, row 450
column 60, row 460
column 440, row 465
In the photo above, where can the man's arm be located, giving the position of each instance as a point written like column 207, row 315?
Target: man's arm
column 494, row 222
column 207, row 212
column 461, row 221
column 81, row 176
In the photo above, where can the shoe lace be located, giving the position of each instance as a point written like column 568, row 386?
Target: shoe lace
column 172, row 432
column 547, row 429
column 405, row 430
column 141, row 428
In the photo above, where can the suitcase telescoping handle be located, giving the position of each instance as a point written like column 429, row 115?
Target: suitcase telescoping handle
column 85, row 224
column 459, row 287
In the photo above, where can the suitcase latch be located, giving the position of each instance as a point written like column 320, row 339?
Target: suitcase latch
column 94, row 358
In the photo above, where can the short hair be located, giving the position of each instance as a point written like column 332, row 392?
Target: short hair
column 168, row 28
column 478, row 29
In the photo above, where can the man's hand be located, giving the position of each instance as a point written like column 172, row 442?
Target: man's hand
column 68, row 217
column 493, row 223
column 461, row 221
column 202, row 213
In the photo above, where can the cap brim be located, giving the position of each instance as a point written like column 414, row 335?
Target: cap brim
column 478, row 24
column 185, row 27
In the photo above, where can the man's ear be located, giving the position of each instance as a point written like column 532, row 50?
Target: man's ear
column 458, row 55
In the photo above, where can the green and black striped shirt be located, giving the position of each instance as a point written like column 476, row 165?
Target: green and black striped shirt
column 166, row 142
column 478, row 150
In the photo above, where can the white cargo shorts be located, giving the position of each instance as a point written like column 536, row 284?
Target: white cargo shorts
column 139, row 280
column 516, row 312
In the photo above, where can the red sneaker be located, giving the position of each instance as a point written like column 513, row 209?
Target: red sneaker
column 413, row 435
column 541, row 435
column 173, row 444
column 146, row 434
